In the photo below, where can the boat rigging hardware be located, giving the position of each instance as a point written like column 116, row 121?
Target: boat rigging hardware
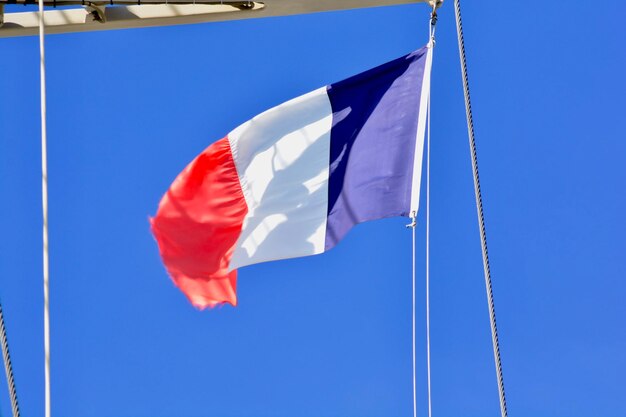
column 242, row 5
column 120, row 14
column 97, row 12
column 433, row 14
column 98, row 15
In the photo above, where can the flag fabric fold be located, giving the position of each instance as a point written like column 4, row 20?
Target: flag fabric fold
column 295, row 179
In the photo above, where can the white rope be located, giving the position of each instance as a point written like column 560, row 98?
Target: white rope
column 412, row 225
column 413, row 318
column 44, row 204
column 433, row 21
column 428, row 255
column 479, row 209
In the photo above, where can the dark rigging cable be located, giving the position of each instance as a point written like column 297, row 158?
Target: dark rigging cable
column 7, row 366
column 479, row 208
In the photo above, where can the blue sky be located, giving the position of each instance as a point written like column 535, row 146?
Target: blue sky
column 328, row 335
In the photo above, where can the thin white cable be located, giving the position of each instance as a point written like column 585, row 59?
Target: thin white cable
column 428, row 256
column 433, row 20
column 44, row 204
column 412, row 225
column 413, row 318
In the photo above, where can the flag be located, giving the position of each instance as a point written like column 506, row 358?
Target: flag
column 295, row 179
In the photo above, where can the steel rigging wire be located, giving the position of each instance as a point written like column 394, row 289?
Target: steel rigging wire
column 479, row 209
column 8, row 368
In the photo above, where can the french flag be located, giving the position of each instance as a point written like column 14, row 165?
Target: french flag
column 295, row 179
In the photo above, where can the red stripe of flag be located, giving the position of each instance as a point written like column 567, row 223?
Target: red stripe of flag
column 197, row 226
